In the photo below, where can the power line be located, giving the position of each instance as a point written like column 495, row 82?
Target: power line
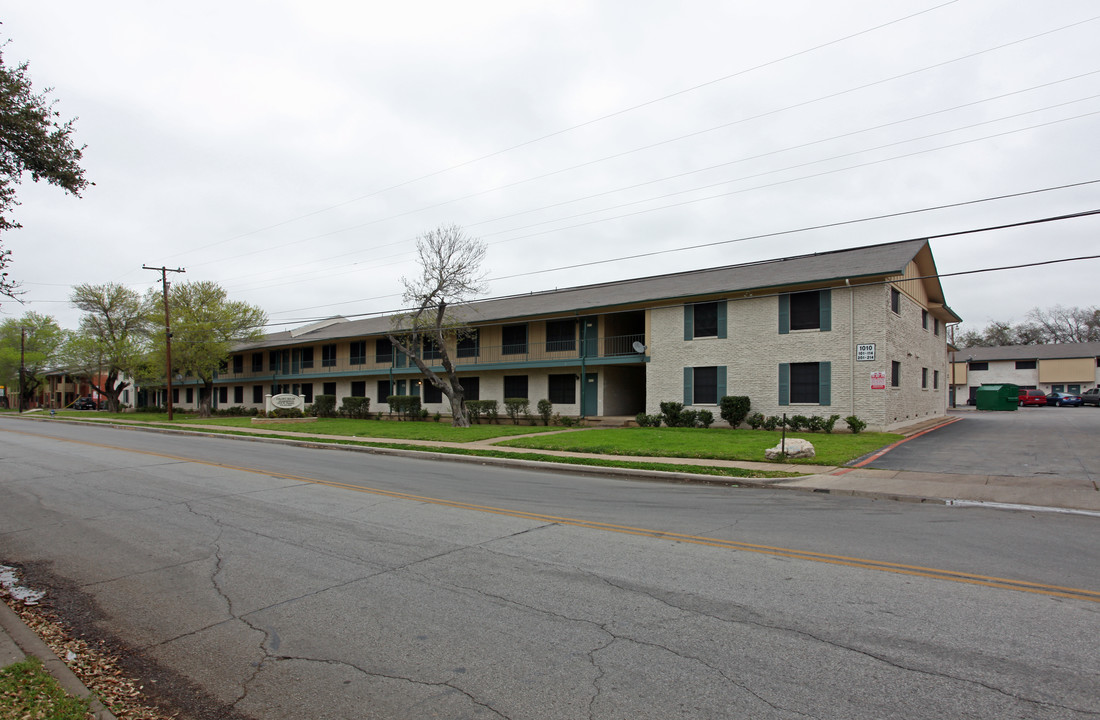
column 586, row 123
column 971, row 231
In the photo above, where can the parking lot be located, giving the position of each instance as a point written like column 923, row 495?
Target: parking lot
column 1030, row 442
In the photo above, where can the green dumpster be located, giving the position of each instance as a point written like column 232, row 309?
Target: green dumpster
column 998, row 397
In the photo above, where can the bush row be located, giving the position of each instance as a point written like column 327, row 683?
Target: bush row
column 734, row 409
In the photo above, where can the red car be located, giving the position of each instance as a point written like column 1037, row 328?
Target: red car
column 1032, row 397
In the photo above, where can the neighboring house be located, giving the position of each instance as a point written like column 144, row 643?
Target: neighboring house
column 858, row 331
column 1066, row 367
column 63, row 389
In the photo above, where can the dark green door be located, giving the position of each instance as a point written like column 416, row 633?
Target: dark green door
column 590, row 402
column 590, row 336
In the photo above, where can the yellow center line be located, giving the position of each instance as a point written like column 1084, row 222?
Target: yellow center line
column 863, row 563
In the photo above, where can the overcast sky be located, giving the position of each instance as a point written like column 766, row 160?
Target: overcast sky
column 292, row 151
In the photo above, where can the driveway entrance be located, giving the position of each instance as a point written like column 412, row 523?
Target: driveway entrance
column 1030, row 442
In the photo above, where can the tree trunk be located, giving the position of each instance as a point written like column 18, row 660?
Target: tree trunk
column 459, row 416
column 207, row 398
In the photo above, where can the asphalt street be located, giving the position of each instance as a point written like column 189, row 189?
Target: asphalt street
column 292, row 582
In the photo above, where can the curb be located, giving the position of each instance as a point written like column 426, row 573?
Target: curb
column 29, row 642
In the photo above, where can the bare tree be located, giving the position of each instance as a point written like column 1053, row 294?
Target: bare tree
column 450, row 273
column 1068, row 325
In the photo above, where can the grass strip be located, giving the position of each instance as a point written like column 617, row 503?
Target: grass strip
column 597, row 462
column 28, row 692
column 710, row 443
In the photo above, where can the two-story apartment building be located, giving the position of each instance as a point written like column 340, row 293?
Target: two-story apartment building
column 858, row 331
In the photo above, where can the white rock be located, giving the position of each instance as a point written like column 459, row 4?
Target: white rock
column 796, row 448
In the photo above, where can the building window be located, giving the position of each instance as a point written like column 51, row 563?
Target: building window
column 175, row 395
column 257, row 394
column 273, row 361
column 895, row 374
column 936, row 326
column 238, row 364
column 561, row 336
column 806, row 383
column 358, row 388
column 329, row 388
column 190, row 395
column 383, row 351
column 979, row 365
column 514, row 339
column 924, row 319
column 432, row 394
column 357, row 352
column 307, row 392
column 704, row 386
column 811, row 310
column 935, row 379
column 563, row 389
column 1026, row 364
column 383, row 390
column 515, row 386
column 238, row 394
column 703, row 320
column 895, row 301
column 328, row 356
column 924, row 378
column 471, row 386
column 305, row 356
column 257, row 362
column 805, row 311
column 223, row 395
column 429, row 349
column 469, row 345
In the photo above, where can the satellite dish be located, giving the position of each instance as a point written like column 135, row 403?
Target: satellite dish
column 639, row 347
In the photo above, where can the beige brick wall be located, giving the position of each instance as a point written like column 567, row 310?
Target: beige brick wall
column 754, row 348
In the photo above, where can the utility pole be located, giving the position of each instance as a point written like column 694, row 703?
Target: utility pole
column 22, row 366
column 167, row 331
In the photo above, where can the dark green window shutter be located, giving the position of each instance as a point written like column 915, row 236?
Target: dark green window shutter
column 824, row 383
column 784, row 384
column 825, row 306
column 721, row 382
column 721, row 318
column 689, row 385
column 784, row 314
column 689, row 322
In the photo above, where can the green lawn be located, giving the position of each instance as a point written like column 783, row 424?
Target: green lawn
column 426, row 430
column 712, row 443
column 28, row 691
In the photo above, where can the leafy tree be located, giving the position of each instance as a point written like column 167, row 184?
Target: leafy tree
column 40, row 349
column 450, row 273
column 206, row 325
column 32, row 140
column 113, row 339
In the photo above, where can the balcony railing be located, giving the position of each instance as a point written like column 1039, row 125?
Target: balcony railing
column 547, row 351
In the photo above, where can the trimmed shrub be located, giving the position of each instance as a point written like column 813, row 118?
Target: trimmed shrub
column 815, row 423
column 671, row 412
column 515, row 407
column 797, row 422
column 546, row 411
column 855, row 424
column 734, row 409
column 357, row 408
column 644, row 420
column 286, row 413
column 406, row 406
column 772, row 422
column 705, row 419
column 755, row 420
column 323, row 406
column 828, row 424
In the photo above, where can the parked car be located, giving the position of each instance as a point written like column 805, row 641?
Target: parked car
column 1091, row 397
column 1032, row 397
column 85, row 403
column 1061, row 399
